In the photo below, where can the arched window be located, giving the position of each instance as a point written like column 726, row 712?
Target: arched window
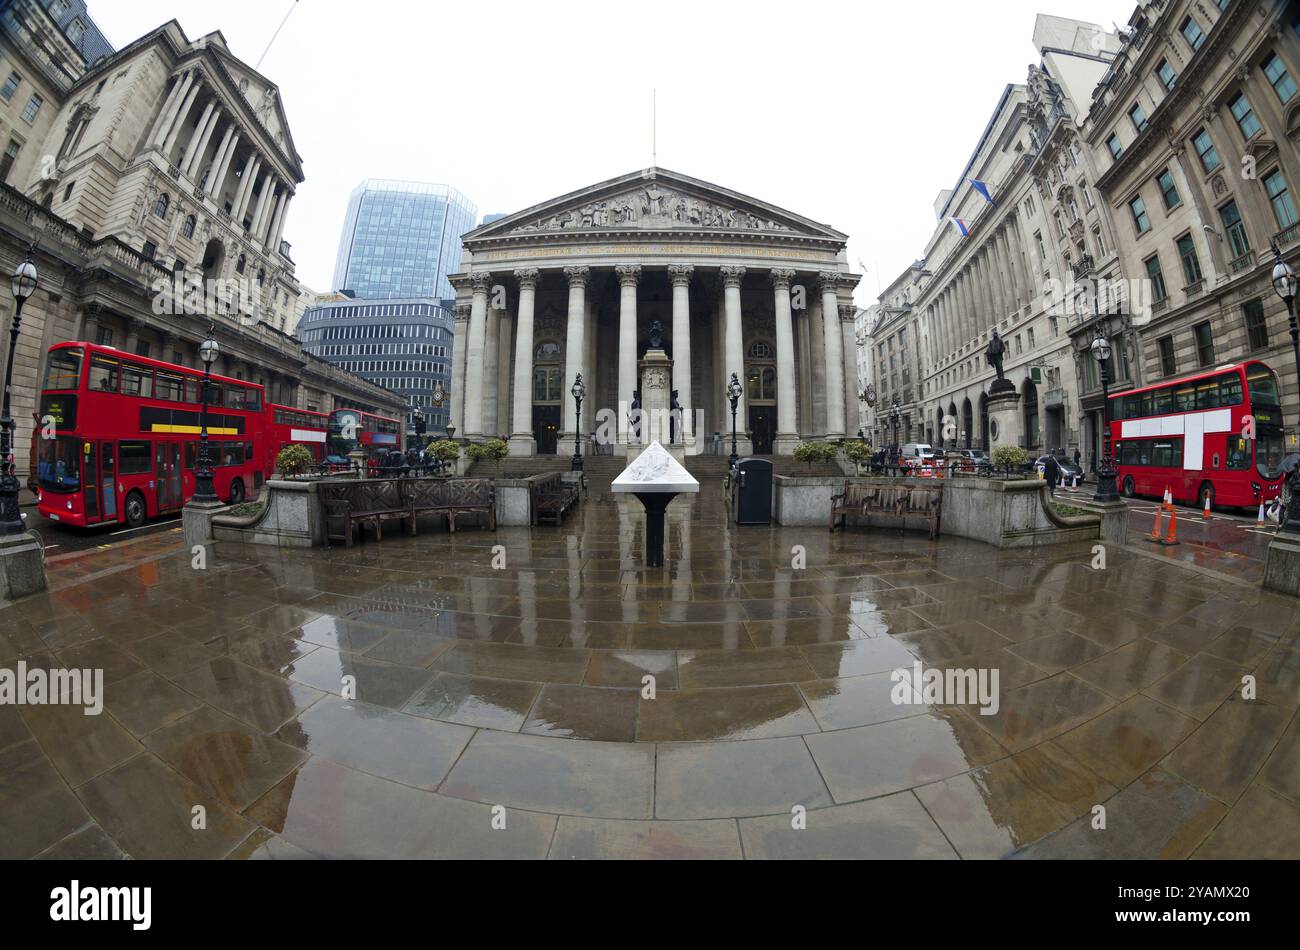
column 188, row 227
column 760, row 373
column 161, row 206
column 240, row 263
column 548, row 351
column 761, row 350
column 548, row 374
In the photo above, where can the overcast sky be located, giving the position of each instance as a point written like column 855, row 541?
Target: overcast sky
column 855, row 113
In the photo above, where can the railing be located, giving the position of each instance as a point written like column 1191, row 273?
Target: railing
column 1289, row 236
column 1245, row 262
column 1191, row 290
column 1082, row 267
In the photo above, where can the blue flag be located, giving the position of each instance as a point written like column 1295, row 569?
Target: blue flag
column 983, row 189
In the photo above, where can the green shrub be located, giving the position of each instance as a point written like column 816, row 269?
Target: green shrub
column 815, row 453
column 293, row 460
column 857, row 451
column 444, row 450
column 493, row 450
column 1009, row 457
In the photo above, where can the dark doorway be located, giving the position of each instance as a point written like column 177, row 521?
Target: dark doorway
column 762, row 423
column 546, row 429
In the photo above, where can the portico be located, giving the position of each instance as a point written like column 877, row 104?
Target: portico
column 574, row 286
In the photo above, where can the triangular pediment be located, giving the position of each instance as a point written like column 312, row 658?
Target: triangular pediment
column 653, row 200
column 263, row 98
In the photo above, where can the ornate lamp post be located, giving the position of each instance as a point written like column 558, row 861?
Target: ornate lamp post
column 1106, row 473
column 579, row 390
column 23, row 285
column 895, row 413
column 734, row 392
column 1284, row 282
column 209, row 350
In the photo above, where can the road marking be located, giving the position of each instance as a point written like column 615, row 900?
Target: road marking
column 161, row 524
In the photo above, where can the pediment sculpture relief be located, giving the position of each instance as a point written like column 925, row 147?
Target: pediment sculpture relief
column 651, row 206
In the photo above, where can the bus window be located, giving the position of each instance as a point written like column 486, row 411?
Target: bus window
column 1229, row 391
column 63, row 370
column 192, row 387
column 1207, row 395
column 169, row 386
column 253, row 401
column 1185, row 399
column 137, row 380
column 1145, row 409
column 1163, row 402
column 1238, row 454
column 1129, row 453
column 1269, row 453
column 134, row 458
column 230, row 453
column 103, row 375
column 58, row 464
column 1263, row 387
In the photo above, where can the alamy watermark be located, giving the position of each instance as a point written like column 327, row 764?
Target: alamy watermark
column 55, row 687
column 952, row 687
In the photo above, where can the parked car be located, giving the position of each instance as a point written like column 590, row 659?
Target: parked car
column 916, row 452
column 1068, row 469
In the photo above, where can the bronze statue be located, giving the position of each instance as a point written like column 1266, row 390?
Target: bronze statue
column 994, row 354
column 656, row 336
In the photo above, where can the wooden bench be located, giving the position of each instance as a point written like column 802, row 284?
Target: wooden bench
column 552, row 498
column 350, row 504
column 895, row 501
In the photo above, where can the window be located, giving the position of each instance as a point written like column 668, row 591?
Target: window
column 1168, row 365
column 1204, row 344
column 161, row 205
column 1156, row 274
column 1204, row 146
column 1140, row 218
column 134, row 458
column 33, row 107
column 1100, row 242
column 76, row 30
column 1167, row 75
column 1042, row 251
column 1168, row 190
column 1139, row 118
column 137, row 380
column 10, row 87
column 1116, row 150
column 63, row 370
column 188, row 227
column 7, row 161
column 1234, row 230
column 104, row 336
column 1245, row 115
column 1281, row 80
column 1256, row 326
column 149, row 251
column 1193, row 33
column 169, row 386
column 1191, row 264
column 241, row 264
column 1280, row 197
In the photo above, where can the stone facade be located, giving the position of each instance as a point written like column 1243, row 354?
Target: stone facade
column 161, row 208
column 577, row 285
column 1201, row 105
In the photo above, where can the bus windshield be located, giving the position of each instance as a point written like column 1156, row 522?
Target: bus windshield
column 1269, row 453
column 58, row 464
column 1263, row 387
column 63, row 370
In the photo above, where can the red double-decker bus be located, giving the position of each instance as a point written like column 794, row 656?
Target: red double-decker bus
column 127, row 435
column 351, row 430
column 1215, row 437
column 288, row 426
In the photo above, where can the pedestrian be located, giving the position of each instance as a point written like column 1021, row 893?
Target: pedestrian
column 1052, row 471
column 1077, row 460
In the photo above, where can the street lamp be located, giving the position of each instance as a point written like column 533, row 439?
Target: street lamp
column 1106, row 474
column 23, row 285
column 1284, row 282
column 209, row 350
column 734, row 392
column 579, row 390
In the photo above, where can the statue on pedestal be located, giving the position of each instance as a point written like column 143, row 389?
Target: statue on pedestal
column 656, row 336
column 994, row 355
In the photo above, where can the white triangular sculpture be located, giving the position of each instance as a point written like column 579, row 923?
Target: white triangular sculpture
column 654, row 470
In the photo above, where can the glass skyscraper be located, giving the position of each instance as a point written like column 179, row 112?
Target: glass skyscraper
column 401, row 239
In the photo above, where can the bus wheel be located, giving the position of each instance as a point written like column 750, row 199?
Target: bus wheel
column 236, row 491
column 1128, row 487
column 1205, row 496
column 135, row 510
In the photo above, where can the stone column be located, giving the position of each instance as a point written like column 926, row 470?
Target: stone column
column 521, row 436
column 787, row 424
column 182, row 114
column 263, row 200
column 491, row 369
column 482, row 284
column 220, row 158
column 245, row 192
column 215, row 183
column 575, row 352
column 834, row 343
column 848, row 313
column 277, row 230
column 160, row 124
column 680, row 275
column 460, row 343
column 174, row 103
column 199, row 140
column 734, row 347
column 629, row 275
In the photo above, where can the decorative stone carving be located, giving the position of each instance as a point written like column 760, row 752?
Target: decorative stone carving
column 732, row 276
column 629, row 275
column 652, row 206
column 848, row 313
column 578, row 276
column 781, row 278
column 680, row 274
column 656, row 379
column 461, row 313
column 528, row 277
column 481, row 282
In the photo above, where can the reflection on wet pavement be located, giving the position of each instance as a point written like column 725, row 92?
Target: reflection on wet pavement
column 398, row 699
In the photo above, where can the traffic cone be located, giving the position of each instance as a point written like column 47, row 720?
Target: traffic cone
column 1205, row 515
column 1261, row 513
column 1154, row 536
column 1172, row 539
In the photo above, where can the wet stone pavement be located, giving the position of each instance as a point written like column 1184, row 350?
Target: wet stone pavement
column 518, row 693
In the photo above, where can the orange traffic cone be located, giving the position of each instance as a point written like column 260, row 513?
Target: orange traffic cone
column 1172, row 539
column 1205, row 515
column 1154, row 536
column 1261, row 513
